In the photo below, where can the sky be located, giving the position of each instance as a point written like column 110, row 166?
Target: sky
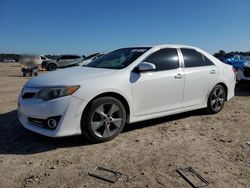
column 88, row 26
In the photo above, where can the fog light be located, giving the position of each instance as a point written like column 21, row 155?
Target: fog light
column 52, row 123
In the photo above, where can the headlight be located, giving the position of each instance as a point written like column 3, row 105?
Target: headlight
column 55, row 92
column 247, row 64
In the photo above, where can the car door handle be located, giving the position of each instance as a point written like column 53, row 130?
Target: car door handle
column 178, row 76
column 213, row 71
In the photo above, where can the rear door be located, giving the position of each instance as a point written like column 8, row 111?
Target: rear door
column 62, row 60
column 200, row 76
column 68, row 60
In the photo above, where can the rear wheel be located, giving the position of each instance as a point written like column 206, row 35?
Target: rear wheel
column 52, row 67
column 216, row 99
column 104, row 119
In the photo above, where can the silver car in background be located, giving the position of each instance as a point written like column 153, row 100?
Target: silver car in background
column 62, row 62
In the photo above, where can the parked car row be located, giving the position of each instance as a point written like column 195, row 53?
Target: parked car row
column 30, row 63
column 8, row 60
column 69, row 60
column 124, row 86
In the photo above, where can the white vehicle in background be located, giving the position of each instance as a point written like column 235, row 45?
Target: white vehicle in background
column 125, row 86
column 90, row 58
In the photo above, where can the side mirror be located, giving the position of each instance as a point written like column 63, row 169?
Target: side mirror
column 145, row 66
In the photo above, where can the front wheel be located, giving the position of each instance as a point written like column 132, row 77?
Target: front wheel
column 52, row 67
column 104, row 119
column 216, row 99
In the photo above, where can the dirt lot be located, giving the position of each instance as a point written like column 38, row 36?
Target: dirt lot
column 147, row 153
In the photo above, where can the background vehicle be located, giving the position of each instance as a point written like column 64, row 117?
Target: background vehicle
column 90, row 58
column 62, row 62
column 8, row 60
column 235, row 60
column 240, row 63
column 126, row 85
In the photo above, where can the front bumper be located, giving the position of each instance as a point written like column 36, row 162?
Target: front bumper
column 69, row 108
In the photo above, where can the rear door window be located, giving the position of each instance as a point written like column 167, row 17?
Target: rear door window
column 192, row 58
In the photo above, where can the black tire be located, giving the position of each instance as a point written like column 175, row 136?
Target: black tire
column 52, row 67
column 35, row 74
column 91, row 113
column 24, row 74
column 216, row 100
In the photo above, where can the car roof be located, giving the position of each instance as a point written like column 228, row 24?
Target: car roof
column 166, row 46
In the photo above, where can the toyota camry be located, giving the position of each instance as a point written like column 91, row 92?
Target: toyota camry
column 124, row 86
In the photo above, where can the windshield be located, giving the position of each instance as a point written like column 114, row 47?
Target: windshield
column 118, row 59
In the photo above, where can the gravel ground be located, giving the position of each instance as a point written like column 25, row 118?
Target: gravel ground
column 146, row 153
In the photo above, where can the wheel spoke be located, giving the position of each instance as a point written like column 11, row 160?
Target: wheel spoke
column 215, row 94
column 221, row 101
column 96, row 125
column 220, row 93
column 216, row 106
column 213, row 101
column 100, row 111
column 106, row 132
column 117, row 122
column 113, row 109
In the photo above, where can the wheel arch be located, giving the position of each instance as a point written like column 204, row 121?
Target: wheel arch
column 118, row 96
column 224, row 86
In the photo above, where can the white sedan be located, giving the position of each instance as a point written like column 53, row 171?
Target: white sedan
column 125, row 86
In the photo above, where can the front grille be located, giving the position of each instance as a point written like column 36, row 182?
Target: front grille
column 28, row 95
column 247, row 72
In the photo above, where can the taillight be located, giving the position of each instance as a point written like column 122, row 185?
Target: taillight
column 235, row 70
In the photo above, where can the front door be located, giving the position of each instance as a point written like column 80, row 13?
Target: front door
column 162, row 89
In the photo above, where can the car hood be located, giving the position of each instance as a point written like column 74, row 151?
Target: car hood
column 68, row 76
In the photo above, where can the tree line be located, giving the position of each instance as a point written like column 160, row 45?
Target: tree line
column 17, row 56
column 222, row 53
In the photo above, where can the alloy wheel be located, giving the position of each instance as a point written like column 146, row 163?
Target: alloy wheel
column 106, row 120
column 217, row 99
